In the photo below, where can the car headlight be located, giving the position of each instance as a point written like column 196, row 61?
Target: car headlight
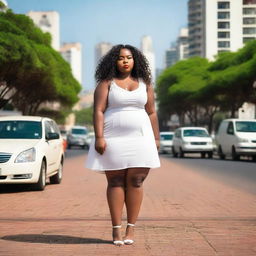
column 243, row 140
column 26, row 156
column 186, row 142
column 209, row 143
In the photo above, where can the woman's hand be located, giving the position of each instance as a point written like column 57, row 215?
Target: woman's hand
column 157, row 143
column 100, row 145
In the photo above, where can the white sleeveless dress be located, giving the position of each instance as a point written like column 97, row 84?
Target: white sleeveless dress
column 127, row 131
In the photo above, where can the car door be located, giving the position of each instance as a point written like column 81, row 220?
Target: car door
column 229, row 137
column 176, row 140
column 180, row 138
column 58, row 145
column 50, row 148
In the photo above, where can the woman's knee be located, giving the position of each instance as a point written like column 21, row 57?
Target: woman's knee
column 116, row 181
column 137, row 180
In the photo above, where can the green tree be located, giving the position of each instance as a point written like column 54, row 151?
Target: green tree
column 177, row 86
column 84, row 116
column 31, row 72
column 233, row 75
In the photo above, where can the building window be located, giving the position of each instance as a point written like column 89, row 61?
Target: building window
column 249, row 10
column 223, row 15
column 223, row 35
column 223, row 25
column 223, row 44
column 223, row 5
column 44, row 21
column 246, row 39
column 249, row 20
column 249, row 31
column 245, row 2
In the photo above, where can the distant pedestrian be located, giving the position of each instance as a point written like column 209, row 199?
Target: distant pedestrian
column 126, row 133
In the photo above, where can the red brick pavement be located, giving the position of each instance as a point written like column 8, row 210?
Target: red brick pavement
column 183, row 214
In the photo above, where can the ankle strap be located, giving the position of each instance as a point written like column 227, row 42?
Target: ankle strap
column 129, row 224
column 119, row 226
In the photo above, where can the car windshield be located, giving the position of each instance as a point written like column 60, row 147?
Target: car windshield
column 166, row 136
column 14, row 129
column 79, row 131
column 195, row 133
column 245, row 126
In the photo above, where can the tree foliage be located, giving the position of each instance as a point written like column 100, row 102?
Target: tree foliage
column 31, row 71
column 84, row 116
column 200, row 89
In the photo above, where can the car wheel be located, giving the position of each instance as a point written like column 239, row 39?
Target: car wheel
column 220, row 153
column 181, row 153
column 175, row 154
column 235, row 156
column 56, row 179
column 40, row 185
column 210, row 154
column 203, row 154
column 254, row 158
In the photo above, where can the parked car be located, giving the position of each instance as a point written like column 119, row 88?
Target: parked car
column 192, row 140
column 236, row 137
column 165, row 142
column 77, row 137
column 31, row 150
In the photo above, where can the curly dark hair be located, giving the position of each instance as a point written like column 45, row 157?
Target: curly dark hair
column 107, row 67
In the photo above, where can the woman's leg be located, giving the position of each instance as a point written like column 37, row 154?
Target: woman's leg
column 134, row 195
column 115, row 197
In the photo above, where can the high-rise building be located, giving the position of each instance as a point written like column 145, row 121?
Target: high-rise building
column 216, row 26
column 100, row 50
column 48, row 22
column 178, row 50
column 182, row 44
column 72, row 53
column 171, row 56
column 147, row 50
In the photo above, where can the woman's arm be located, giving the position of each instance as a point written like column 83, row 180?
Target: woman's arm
column 99, row 107
column 150, row 109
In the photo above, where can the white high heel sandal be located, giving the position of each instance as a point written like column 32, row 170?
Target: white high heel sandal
column 118, row 242
column 129, row 241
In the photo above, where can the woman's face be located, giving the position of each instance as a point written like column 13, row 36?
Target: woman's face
column 125, row 61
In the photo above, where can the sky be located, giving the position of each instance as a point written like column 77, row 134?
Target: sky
column 117, row 22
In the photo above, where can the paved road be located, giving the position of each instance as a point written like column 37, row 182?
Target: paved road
column 184, row 213
column 239, row 174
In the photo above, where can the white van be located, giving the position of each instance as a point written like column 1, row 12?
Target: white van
column 236, row 137
column 192, row 140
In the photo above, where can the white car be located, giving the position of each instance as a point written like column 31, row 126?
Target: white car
column 165, row 142
column 77, row 136
column 31, row 150
column 236, row 137
column 192, row 140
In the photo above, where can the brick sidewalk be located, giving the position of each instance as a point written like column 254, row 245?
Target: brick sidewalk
column 183, row 213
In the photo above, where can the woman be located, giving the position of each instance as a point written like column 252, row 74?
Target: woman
column 126, row 133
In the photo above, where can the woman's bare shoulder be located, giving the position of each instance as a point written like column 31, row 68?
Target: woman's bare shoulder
column 104, row 84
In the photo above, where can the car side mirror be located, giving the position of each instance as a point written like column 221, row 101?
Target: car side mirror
column 52, row 136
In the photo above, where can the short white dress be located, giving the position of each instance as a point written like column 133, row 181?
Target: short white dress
column 127, row 131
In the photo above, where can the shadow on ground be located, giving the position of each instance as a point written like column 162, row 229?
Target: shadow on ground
column 54, row 239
